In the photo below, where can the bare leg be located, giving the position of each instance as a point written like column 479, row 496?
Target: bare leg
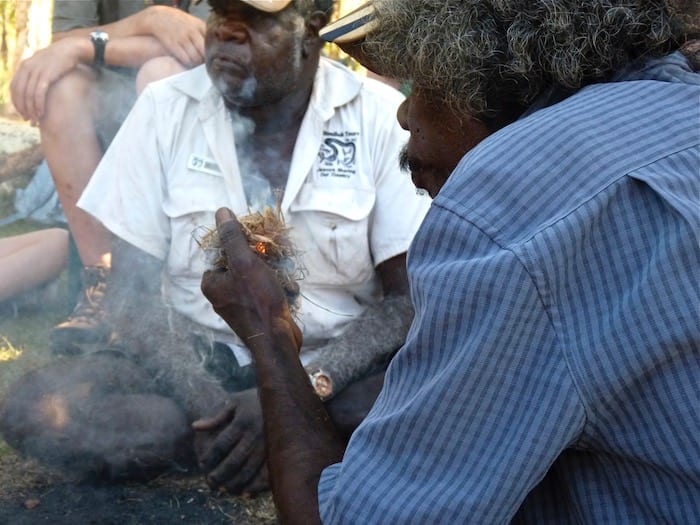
column 31, row 259
column 155, row 69
column 79, row 119
column 72, row 150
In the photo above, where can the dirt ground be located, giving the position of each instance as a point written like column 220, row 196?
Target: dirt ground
column 30, row 494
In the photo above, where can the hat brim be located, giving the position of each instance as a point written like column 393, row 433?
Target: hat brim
column 269, row 6
column 350, row 31
column 351, row 27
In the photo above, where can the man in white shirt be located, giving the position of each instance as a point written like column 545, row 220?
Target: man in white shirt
column 264, row 117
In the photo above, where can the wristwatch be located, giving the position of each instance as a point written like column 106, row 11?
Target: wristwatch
column 322, row 383
column 99, row 41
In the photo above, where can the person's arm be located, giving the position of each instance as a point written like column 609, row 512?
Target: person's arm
column 150, row 33
column 477, row 404
column 300, row 436
column 354, row 361
column 347, row 372
column 228, row 450
column 371, row 339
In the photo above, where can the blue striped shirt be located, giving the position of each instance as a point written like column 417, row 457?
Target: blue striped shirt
column 552, row 371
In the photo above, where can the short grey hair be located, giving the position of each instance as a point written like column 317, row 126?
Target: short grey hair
column 491, row 58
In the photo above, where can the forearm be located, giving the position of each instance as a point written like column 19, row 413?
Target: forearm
column 130, row 52
column 301, row 439
column 152, row 32
column 133, row 51
column 138, row 24
column 369, row 341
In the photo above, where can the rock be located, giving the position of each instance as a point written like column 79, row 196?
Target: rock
column 16, row 136
column 20, row 152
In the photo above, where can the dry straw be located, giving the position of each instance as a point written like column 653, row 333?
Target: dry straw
column 268, row 237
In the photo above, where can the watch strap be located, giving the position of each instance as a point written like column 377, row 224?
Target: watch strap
column 99, row 42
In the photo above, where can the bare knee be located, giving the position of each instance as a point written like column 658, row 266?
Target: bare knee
column 156, row 69
column 95, row 416
column 48, row 400
column 69, row 102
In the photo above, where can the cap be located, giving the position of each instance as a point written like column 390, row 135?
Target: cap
column 349, row 32
column 270, row 6
column 352, row 27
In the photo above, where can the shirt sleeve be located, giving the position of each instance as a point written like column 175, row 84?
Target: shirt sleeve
column 127, row 191
column 476, row 406
column 74, row 14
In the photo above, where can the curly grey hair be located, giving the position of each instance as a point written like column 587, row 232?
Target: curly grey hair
column 491, row 58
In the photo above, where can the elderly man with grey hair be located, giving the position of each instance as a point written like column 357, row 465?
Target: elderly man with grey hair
column 551, row 371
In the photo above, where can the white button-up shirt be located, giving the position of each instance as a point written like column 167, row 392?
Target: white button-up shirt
column 174, row 163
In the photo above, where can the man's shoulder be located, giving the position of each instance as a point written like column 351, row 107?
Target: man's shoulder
column 543, row 167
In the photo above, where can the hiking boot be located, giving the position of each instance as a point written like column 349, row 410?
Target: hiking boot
column 87, row 324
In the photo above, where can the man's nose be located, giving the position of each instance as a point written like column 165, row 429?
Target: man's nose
column 231, row 32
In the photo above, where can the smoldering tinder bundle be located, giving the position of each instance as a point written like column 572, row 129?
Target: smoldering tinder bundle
column 268, row 237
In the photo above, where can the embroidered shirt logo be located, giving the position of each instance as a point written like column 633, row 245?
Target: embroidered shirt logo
column 338, row 154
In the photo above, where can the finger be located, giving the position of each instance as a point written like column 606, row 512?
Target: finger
column 233, row 240
column 199, row 47
column 194, row 57
column 223, row 215
column 37, row 90
column 259, row 483
column 238, row 470
column 181, row 54
column 18, row 90
column 42, row 88
column 221, row 446
column 215, row 422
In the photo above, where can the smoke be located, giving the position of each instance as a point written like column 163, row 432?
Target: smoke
column 99, row 406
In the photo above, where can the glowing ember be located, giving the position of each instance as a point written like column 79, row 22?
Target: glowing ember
column 7, row 351
column 261, row 248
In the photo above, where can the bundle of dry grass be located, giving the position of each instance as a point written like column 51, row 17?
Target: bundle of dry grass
column 268, row 237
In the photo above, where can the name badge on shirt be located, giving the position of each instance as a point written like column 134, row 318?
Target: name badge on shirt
column 203, row 164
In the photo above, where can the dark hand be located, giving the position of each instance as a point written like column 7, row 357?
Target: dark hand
column 230, row 446
column 247, row 295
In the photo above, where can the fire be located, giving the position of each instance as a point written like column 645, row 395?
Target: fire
column 7, row 351
column 261, row 248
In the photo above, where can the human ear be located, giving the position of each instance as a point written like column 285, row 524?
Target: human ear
column 314, row 23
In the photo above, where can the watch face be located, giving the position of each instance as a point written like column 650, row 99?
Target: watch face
column 99, row 35
column 322, row 385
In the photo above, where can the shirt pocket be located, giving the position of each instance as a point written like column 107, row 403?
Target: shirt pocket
column 331, row 228
column 190, row 208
